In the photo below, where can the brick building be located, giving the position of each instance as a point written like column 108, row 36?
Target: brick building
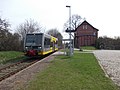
column 85, row 35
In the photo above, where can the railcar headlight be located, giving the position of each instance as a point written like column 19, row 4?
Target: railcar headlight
column 39, row 47
column 26, row 48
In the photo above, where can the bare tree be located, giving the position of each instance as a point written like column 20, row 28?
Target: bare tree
column 75, row 22
column 29, row 26
column 57, row 34
column 4, row 32
column 15, row 42
column 4, row 25
column 8, row 41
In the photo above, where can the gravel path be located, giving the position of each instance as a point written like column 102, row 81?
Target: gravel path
column 110, row 62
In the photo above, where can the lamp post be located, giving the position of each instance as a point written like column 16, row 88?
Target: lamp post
column 70, row 29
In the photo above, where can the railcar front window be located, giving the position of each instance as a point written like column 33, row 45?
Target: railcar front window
column 33, row 40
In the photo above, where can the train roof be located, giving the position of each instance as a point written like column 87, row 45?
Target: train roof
column 43, row 34
column 38, row 34
column 33, row 33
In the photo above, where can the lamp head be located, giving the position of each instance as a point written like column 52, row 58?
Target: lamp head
column 68, row 6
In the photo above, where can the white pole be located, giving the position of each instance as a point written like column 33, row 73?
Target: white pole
column 70, row 29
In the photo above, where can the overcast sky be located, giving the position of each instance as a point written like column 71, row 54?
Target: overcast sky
column 102, row 14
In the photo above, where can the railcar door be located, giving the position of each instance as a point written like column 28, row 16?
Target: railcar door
column 53, row 46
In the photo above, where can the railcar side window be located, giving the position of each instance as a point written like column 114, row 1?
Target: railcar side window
column 51, row 44
column 47, row 42
column 56, row 42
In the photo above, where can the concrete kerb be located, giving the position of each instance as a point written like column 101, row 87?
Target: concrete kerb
column 58, row 53
column 102, row 67
column 105, row 71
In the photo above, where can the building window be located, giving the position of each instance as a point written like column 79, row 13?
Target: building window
column 94, row 33
column 86, row 26
column 83, row 27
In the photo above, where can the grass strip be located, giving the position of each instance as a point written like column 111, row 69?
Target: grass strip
column 10, row 56
column 79, row 72
column 88, row 48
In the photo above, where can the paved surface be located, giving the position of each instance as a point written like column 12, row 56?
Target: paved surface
column 58, row 53
column 110, row 61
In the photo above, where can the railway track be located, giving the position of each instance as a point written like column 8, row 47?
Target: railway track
column 11, row 69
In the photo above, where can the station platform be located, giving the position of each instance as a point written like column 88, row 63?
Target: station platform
column 58, row 53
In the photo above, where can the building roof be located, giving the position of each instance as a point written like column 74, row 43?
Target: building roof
column 81, row 25
column 88, row 24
